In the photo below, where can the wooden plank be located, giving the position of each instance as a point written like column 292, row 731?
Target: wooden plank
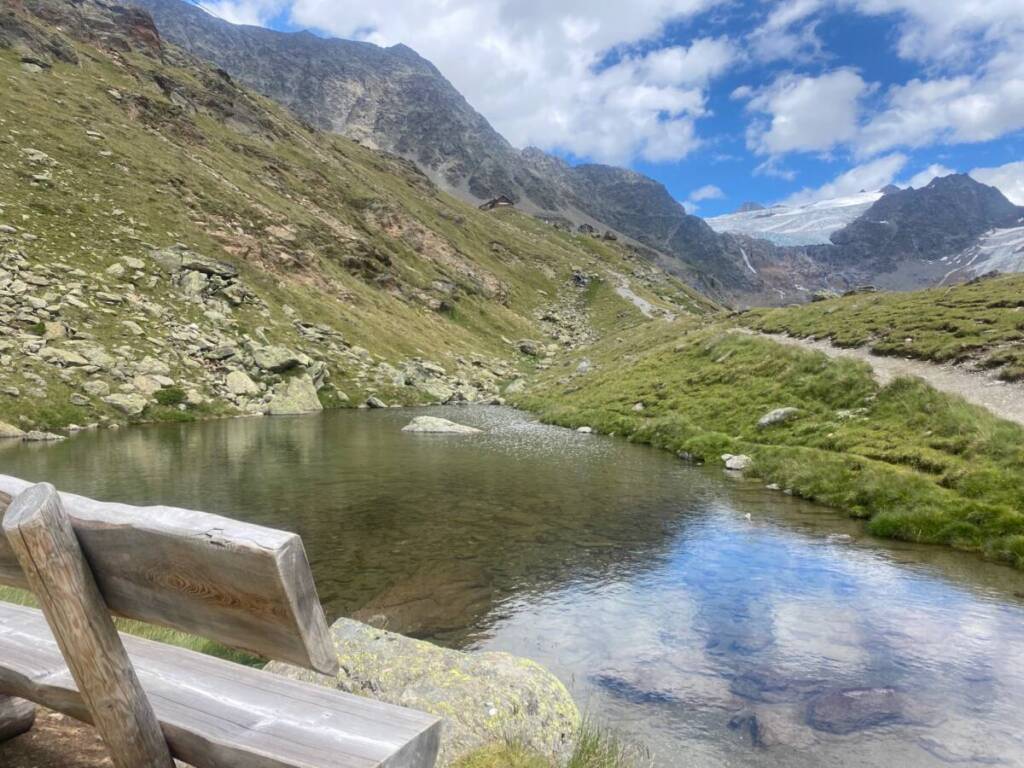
column 16, row 717
column 43, row 541
column 216, row 714
column 242, row 585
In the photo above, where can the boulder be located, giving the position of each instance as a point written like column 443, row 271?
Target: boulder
column 129, row 405
column 239, row 383
column 147, row 385
column 150, row 366
column 96, row 388
column 62, row 357
column 36, row 436
column 9, row 431
column 375, row 402
column 778, row 416
column 585, row 430
column 740, row 463
column 530, row 347
column 435, row 389
column 276, row 359
column 515, row 387
column 854, row 709
column 435, row 425
column 484, row 698
column 295, row 397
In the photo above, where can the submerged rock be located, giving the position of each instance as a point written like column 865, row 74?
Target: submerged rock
column 484, row 698
column 36, row 436
column 855, row 709
column 435, row 425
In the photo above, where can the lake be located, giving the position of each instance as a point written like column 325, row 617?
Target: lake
column 715, row 621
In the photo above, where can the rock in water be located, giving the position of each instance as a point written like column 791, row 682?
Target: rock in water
column 740, row 463
column 484, row 698
column 855, row 709
column 375, row 402
column 435, row 425
column 778, row 416
column 10, row 431
column 36, row 436
column 295, row 397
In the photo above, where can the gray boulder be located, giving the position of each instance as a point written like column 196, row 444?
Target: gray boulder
column 778, row 416
column 276, row 359
column 375, row 402
column 740, row 463
column 484, row 698
column 129, row 405
column 435, row 425
column 239, row 383
column 295, row 397
column 36, row 436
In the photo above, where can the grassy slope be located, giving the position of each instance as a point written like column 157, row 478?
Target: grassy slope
column 982, row 323
column 225, row 180
column 916, row 464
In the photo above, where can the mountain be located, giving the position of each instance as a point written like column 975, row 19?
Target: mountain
column 174, row 245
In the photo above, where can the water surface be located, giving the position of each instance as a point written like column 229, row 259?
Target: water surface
column 673, row 601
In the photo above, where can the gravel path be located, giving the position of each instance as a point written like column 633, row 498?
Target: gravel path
column 1001, row 398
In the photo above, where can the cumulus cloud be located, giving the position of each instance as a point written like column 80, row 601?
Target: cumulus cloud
column 1009, row 179
column 788, row 33
column 539, row 71
column 806, row 114
column 868, row 177
column 707, row 192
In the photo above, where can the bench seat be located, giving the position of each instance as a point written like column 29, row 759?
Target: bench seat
column 217, row 714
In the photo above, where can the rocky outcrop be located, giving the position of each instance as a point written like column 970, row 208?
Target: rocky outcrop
column 8, row 432
column 484, row 698
column 777, row 416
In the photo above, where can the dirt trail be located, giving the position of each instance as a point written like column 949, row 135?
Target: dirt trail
column 1001, row 398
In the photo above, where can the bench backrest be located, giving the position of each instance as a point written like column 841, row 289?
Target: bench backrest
column 242, row 585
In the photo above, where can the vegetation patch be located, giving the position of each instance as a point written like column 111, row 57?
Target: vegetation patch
column 915, row 464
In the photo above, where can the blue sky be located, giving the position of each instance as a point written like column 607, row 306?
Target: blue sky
column 723, row 101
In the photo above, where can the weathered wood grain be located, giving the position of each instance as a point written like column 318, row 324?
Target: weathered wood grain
column 242, row 585
column 42, row 539
column 16, row 717
column 216, row 714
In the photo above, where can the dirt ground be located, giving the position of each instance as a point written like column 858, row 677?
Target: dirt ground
column 55, row 741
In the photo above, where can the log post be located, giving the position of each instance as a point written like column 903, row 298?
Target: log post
column 16, row 717
column 41, row 536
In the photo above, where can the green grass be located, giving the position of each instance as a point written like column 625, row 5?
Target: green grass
column 981, row 324
column 151, row 632
column 915, row 464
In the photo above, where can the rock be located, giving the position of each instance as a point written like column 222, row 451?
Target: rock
column 10, row 432
column 63, row 357
column 433, row 424
column 276, row 359
column 194, row 398
column 824, row 295
column 778, row 416
column 484, row 698
column 130, row 405
column 855, row 709
column 740, row 463
column 96, row 388
column 35, row 436
column 515, row 387
column 78, row 399
column 529, row 347
column 436, row 389
column 150, row 366
column 147, row 385
column 375, row 402
column 239, row 383
column 638, row 407
column 585, row 430
column 295, row 397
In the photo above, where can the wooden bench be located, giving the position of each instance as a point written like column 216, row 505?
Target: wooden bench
column 241, row 585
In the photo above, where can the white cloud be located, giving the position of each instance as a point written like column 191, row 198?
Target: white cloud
column 707, row 192
column 1009, row 179
column 788, row 33
column 868, row 177
column 927, row 176
column 806, row 114
column 534, row 68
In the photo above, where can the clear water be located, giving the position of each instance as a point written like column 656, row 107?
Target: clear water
column 640, row 581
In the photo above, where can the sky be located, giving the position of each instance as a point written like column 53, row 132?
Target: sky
column 723, row 101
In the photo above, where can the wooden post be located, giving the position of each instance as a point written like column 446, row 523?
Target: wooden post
column 16, row 717
column 41, row 537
